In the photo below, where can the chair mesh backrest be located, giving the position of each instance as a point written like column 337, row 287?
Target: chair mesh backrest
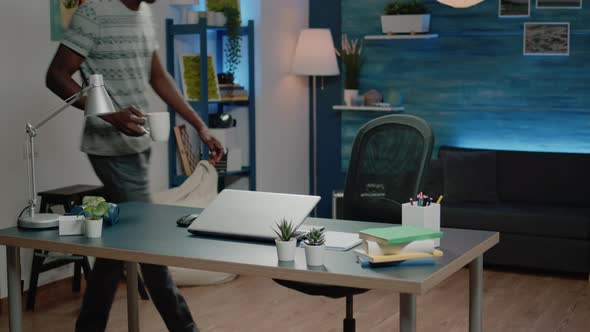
column 386, row 167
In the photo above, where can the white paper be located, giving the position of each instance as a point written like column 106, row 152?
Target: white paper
column 341, row 241
column 425, row 246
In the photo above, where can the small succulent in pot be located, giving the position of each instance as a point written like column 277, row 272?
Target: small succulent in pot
column 285, row 241
column 285, row 230
column 314, row 247
column 315, row 237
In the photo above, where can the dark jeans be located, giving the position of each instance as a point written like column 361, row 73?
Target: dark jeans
column 125, row 178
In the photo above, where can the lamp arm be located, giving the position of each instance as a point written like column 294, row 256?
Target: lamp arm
column 32, row 129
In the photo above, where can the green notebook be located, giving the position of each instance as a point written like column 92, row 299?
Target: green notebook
column 398, row 234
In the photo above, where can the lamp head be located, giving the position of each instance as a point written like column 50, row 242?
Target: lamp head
column 98, row 101
column 314, row 54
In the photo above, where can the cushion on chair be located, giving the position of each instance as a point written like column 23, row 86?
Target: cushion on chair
column 469, row 176
column 197, row 191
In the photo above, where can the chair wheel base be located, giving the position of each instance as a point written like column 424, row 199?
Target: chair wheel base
column 349, row 325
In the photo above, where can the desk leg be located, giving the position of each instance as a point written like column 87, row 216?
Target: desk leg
column 407, row 312
column 475, row 294
column 132, row 297
column 15, row 312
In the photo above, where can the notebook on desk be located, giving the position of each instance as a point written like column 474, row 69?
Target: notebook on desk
column 251, row 215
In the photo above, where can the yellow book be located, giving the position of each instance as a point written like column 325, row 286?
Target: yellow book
column 373, row 258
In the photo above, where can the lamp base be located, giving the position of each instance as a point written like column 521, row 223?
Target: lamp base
column 39, row 221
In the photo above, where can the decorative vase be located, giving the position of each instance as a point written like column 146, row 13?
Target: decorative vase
column 286, row 250
column 349, row 94
column 211, row 18
column 220, row 19
column 93, row 228
column 314, row 255
column 405, row 23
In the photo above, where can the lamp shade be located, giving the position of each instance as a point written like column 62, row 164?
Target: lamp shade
column 98, row 101
column 460, row 3
column 314, row 54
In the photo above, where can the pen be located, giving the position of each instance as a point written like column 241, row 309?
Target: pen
column 440, row 198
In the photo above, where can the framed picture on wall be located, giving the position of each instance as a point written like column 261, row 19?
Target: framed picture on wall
column 559, row 4
column 546, row 38
column 60, row 15
column 514, row 8
column 190, row 68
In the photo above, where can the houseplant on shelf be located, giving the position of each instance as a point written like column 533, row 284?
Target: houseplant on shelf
column 352, row 59
column 232, row 49
column 95, row 209
column 405, row 16
column 314, row 247
column 285, row 241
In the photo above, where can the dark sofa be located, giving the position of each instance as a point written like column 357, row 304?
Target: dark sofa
column 539, row 202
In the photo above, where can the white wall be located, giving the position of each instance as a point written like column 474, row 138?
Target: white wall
column 282, row 109
column 282, row 100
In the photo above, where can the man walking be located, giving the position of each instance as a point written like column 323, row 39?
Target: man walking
column 116, row 38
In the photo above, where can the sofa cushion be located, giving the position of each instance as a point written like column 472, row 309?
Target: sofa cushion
column 433, row 179
column 559, row 222
column 469, row 176
column 544, row 178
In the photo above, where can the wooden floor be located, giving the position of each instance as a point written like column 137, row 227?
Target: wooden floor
column 513, row 302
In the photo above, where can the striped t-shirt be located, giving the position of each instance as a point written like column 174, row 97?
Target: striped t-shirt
column 118, row 43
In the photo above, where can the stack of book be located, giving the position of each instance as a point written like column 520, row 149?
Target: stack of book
column 398, row 245
column 233, row 92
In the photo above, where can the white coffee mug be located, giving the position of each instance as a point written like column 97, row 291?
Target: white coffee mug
column 159, row 126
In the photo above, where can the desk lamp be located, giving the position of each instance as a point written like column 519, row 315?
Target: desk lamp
column 98, row 102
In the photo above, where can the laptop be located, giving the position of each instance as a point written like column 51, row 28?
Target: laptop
column 251, row 215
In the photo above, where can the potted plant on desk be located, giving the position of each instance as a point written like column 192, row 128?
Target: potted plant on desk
column 314, row 247
column 95, row 209
column 285, row 241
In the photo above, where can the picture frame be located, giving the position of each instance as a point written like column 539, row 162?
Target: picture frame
column 190, row 71
column 514, row 8
column 546, row 38
column 60, row 16
column 559, row 4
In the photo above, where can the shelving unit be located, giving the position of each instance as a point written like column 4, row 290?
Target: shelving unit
column 202, row 105
column 388, row 37
column 393, row 109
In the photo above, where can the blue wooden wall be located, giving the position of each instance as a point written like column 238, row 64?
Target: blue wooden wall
column 473, row 84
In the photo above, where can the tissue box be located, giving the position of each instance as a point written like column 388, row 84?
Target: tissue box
column 422, row 216
column 71, row 225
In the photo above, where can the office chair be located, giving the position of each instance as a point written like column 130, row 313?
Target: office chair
column 387, row 164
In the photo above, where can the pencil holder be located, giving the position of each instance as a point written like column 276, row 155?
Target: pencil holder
column 422, row 216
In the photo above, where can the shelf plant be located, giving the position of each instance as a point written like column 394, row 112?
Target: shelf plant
column 405, row 16
column 314, row 247
column 352, row 60
column 285, row 241
column 232, row 50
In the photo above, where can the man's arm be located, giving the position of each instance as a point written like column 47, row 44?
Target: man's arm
column 164, row 86
column 59, row 80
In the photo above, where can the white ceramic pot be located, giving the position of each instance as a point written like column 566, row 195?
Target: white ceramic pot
column 314, row 255
column 93, row 228
column 220, row 19
column 405, row 23
column 349, row 95
column 286, row 250
column 211, row 18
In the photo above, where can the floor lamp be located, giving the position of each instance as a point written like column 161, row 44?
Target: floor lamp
column 315, row 56
column 98, row 102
